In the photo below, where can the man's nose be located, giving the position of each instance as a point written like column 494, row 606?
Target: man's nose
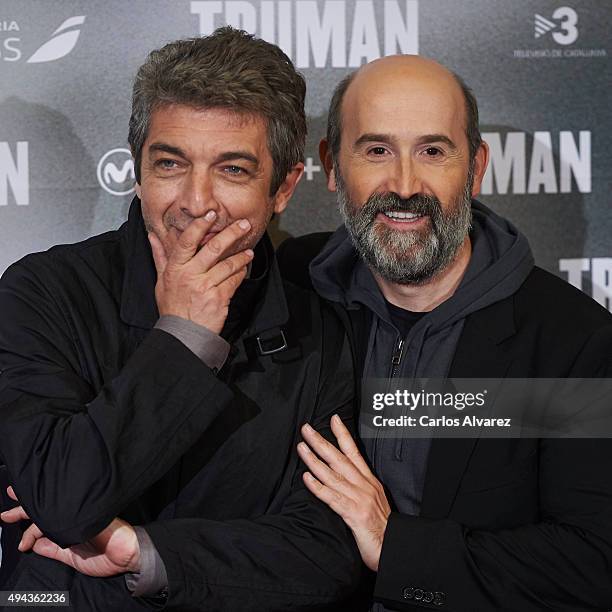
column 198, row 195
column 404, row 179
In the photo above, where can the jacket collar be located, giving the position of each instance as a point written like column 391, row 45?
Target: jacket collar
column 480, row 354
column 138, row 306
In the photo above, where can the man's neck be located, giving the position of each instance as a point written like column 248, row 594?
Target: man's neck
column 425, row 297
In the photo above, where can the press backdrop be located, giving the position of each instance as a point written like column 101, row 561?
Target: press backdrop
column 541, row 71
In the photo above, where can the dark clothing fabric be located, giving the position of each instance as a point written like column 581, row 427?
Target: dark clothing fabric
column 209, row 347
column 505, row 524
column 501, row 260
column 404, row 320
column 104, row 416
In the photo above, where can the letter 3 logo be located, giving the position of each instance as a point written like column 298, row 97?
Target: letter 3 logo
column 116, row 172
column 564, row 30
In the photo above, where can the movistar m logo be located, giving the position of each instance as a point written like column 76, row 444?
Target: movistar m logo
column 116, row 172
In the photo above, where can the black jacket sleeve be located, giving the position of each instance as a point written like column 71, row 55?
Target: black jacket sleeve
column 77, row 457
column 297, row 556
column 560, row 563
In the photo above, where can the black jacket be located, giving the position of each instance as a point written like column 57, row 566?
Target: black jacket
column 505, row 524
column 103, row 416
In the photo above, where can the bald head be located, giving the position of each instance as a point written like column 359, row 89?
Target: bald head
column 401, row 80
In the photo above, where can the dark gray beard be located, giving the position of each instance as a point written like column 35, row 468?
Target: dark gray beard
column 407, row 257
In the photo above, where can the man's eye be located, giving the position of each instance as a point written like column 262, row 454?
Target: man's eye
column 166, row 164
column 432, row 151
column 235, row 170
column 378, row 150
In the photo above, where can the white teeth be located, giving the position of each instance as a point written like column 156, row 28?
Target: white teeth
column 402, row 215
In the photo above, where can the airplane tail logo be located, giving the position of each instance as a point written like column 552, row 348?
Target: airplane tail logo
column 61, row 43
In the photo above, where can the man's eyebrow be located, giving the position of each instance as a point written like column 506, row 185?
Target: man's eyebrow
column 430, row 138
column 235, row 155
column 370, row 137
column 227, row 156
column 166, row 148
column 389, row 139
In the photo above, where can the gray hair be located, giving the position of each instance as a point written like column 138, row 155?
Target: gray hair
column 229, row 69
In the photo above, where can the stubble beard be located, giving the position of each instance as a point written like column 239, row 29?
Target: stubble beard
column 406, row 257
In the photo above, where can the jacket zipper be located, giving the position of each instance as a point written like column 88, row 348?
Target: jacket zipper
column 396, row 358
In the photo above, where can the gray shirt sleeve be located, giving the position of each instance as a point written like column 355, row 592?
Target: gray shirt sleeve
column 211, row 348
column 152, row 579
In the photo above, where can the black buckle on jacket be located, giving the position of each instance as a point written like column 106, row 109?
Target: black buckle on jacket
column 271, row 342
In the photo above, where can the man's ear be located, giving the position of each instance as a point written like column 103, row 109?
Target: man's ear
column 328, row 164
column 285, row 191
column 481, row 161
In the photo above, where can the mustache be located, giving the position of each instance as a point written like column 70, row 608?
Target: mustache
column 419, row 204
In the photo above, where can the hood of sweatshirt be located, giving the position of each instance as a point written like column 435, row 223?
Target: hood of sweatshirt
column 500, row 262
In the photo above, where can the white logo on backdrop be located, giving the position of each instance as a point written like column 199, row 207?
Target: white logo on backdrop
column 14, row 173
column 320, row 34
column 553, row 162
column 600, row 271
column 61, row 43
column 116, row 172
column 563, row 29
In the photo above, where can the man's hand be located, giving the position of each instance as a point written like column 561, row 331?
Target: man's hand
column 345, row 483
column 198, row 285
column 113, row 551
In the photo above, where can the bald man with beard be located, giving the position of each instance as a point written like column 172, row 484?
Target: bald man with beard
column 432, row 284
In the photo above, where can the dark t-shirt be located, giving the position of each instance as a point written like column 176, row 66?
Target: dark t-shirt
column 403, row 319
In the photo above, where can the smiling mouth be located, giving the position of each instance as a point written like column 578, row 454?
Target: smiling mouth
column 401, row 216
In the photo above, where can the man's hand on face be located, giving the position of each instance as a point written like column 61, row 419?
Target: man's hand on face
column 198, row 284
column 113, row 551
column 343, row 480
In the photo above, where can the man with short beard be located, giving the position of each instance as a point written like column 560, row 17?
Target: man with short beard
column 432, row 284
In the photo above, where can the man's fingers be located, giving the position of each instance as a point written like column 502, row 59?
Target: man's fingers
column 14, row 515
column 228, row 267
column 330, row 454
column 29, row 537
column 348, row 447
column 214, row 250
column 228, row 286
column 11, row 493
column 159, row 253
column 188, row 242
column 336, row 501
column 46, row 548
column 327, row 476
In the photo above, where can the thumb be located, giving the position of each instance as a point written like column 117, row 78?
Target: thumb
column 159, row 254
